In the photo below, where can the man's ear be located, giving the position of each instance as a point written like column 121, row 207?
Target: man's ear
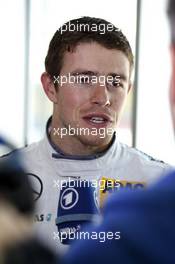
column 49, row 87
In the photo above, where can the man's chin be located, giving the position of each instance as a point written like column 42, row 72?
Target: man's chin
column 96, row 141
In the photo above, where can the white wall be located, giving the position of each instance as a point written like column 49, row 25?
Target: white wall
column 12, row 45
column 154, row 130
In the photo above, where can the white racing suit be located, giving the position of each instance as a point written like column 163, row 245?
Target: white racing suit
column 46, row 168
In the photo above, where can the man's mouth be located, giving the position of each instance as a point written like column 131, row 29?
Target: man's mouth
column 98, row 119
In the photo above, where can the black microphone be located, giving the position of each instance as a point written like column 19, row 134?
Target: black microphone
column 77, row 206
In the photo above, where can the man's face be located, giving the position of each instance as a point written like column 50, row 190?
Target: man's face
column 86, row 104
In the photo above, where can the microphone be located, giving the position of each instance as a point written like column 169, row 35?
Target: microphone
column 77, row 206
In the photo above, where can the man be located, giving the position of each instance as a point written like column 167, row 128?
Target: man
column 138, row 227
column 87, row 78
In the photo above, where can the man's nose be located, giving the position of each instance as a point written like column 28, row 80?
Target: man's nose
column 100, row 95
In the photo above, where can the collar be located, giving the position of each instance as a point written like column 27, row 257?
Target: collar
column 59, row 154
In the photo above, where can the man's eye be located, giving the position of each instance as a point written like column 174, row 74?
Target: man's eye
column 83, row 79
column 115, row 83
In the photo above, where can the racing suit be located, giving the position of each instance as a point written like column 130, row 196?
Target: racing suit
column 47, row 166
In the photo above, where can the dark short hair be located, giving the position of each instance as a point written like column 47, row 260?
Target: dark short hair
column 171, row 15
column 30, row 251
column 68, row 40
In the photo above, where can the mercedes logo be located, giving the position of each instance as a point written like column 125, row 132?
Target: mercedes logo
column 37, row 185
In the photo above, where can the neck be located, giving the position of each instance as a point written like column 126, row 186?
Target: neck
column 73, row 145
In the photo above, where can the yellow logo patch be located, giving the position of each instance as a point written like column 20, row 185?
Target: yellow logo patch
column 109, row 185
